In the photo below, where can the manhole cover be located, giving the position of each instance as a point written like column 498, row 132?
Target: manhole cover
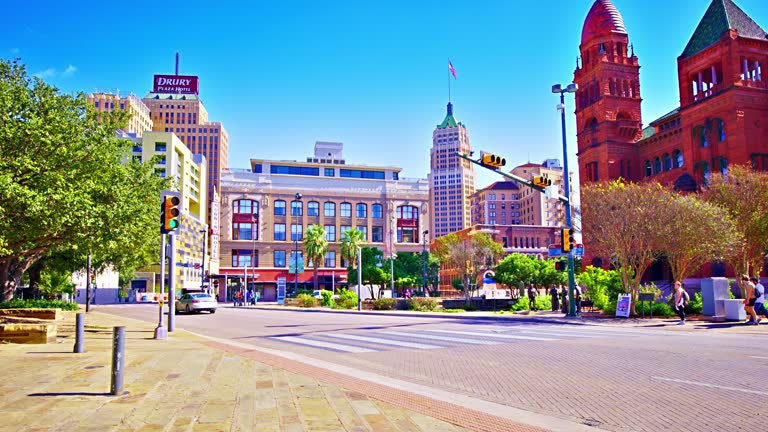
column 173, row 375
column 93, row 367
column 592, row 422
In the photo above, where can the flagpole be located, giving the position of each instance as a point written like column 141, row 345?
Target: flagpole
column 449, row 82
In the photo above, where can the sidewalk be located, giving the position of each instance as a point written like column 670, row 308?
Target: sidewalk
column 187, row 383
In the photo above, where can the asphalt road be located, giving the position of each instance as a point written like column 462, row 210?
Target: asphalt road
column 612, row 378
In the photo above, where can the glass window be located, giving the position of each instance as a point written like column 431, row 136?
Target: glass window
column 667, row 162
column 656, row 165
column 395, row 176
column 242, row 258
column 330, row 259
column 361, row 210
column 364, row 230
column 297, row 232
column 346, row 210
column 677, row 158
column 279, row 258
column 648, row 170
column 406, row 235
column 294, row 170
column 279, row 208
column 330, row 232
column 329, row 209
column 344, row 229
column 363, row 174
column 377, row 211
column 242, row 231
column 279, row 231
column 329, row 172
column 377, row 234
column 297, row 208
column 313, row 208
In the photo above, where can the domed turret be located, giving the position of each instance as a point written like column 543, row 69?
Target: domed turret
column 602, row 20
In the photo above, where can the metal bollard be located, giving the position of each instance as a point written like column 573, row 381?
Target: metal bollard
column 118, row 360
column 79, row 333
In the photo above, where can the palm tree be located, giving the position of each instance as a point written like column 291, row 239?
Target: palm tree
column 315, row 246
column 351, row 240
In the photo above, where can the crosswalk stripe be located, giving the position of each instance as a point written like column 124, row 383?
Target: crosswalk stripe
column 578, row 335
column 382, row 341
column 320, row 344
column 443, row 338
column 495, row 335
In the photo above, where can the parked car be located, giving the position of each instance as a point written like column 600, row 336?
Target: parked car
column 196, row 302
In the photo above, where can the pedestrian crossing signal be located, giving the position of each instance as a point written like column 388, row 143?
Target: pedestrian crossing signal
column 492, row 161
column 169, row 214
column 560, row 265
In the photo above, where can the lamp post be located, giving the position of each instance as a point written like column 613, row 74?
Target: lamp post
column 392, row 256
column 204, row 232
column 296, row 254
column 570, row 88
column 424, row 258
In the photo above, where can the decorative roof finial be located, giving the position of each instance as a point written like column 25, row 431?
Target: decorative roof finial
column 632, row 47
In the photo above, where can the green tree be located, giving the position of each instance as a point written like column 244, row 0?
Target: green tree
column 315, row 246
column 602, row 285
column 372, row 272
column 470, row 256
column 54, row 283
column 351, row 241
column 68, row 185
column 743, row 193
column 515, row 271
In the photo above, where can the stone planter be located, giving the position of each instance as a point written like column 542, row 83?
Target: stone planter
column 734, row 310
column 46, row 314
column 28, row 333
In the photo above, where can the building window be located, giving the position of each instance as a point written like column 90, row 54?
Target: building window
column 395, row 176
column 329, row 209
column 297, row 232
column 279, row 258
column 648, row 169
column 720, row 131
column 313, row 208
column 361, row 174
column 330, row 233
column 245, row 219
column 377, row 211
column 407, row 235
column 343, row 229
column 279, row 208
column 408, row 212
column 346, row 210
column 242, row 258
column 279, row 232
column 667, row 161
column 677, row 159
column 377, row 234
column 297, row 208
column 160, row 147
column 361, row 210
column 492, row 197
column 330, row 172
column 656, row 165
column 330, row 259
column 364, row 230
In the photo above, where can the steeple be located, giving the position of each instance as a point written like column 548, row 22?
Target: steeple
column 450, row 120
column 721, row 16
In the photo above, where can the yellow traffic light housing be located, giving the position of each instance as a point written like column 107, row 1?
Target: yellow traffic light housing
column 170, row 214
column 542, row 181
column 567, row 237
column 492, row 161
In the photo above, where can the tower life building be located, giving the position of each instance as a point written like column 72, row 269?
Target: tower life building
column 451, row 178
column 608, row 119
column 176, row 107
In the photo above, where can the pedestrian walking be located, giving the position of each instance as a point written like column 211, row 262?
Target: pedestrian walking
column 681, row 299
column 564, row 298
column 531, row 297
column 749, row 300
column 577, row 298
column 554, row 294
column 407, row 294
column 759, row 299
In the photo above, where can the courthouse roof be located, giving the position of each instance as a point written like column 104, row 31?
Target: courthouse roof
column 602, row 20
column 721, row 16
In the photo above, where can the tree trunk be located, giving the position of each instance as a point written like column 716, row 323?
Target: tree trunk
column 315, row 277
column 34, row 277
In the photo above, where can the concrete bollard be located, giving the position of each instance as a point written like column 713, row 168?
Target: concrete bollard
column 80, row 333
column 118, row 361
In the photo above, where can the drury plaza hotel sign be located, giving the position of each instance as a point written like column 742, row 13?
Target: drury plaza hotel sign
column 176, row 84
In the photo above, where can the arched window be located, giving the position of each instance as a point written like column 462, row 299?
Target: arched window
column 723, row 166
column 313, row 208
column 677, row 159
column 329, row 209
column 377, row 211
column 245, row 219
column 407, row 224
column 279, row 208
column 720, row 131
column 361, row 210
column 625, row 89
column 667, row 162
column 656, row 165
column 297, row 208
column 647, row 166
column 345, row 210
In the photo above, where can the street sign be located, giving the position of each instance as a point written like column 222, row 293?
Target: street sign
column 197, row 266
column 555, row 250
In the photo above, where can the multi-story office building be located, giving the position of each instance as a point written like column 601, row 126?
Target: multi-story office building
column 176, row 107
column 451, row 178
column 139, row 121
column 187, row 170
column 263, row 223
column 535, row 207
column 497, row 204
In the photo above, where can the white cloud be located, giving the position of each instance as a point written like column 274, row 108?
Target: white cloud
column 48, row 73
column 69, row 71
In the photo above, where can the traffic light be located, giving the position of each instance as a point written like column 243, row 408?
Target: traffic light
column 542, row 181
column 492, row 160
column 560, row 265
column 567, row 236
column 169, row 214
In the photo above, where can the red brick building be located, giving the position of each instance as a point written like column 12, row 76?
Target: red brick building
column 723, row 114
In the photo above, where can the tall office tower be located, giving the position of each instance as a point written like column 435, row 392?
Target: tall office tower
column 176, row 107
column 451, row 178
column 138, row 123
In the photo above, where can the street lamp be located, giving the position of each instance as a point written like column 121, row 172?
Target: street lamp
column 296, row 254
column 204, row 232
column 392, row 256
column 570, row 88
column 424, row 258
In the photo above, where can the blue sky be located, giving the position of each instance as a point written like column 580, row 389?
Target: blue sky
column 281, row 75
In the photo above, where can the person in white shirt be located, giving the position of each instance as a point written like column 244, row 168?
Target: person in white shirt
column 760, row 298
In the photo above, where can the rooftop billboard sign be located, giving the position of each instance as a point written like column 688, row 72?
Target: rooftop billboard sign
column 176, row 84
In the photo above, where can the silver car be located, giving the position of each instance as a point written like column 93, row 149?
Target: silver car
column 196, row 302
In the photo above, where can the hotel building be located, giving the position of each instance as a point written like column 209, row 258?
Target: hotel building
column 139, row 121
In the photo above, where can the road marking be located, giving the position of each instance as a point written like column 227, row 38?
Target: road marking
column 495, row 335
column 577, row 335
column 758, row 357
column 382, row 341
column 712, row 385
column 443, row 338
column 320, row 344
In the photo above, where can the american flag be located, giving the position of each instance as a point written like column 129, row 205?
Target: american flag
column 453, row 71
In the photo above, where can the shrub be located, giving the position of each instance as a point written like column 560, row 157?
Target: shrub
column 543, row 302
column 602, row 285
column 384, row 304
column 659, row 309
column 18, row 303
column 327, row 300
column 306, row 300
column 347, row 300
column 610, row 307
column 421, row 304
column 694, row 306
column 520, row 305
column 469, row 308
column 650, row 289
